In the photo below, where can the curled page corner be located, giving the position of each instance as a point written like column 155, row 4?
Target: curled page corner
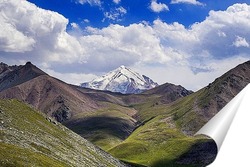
column 231, row 126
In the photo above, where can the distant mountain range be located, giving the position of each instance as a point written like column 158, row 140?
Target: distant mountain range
column 78, row 107
column 123, row 80
column 157, row 124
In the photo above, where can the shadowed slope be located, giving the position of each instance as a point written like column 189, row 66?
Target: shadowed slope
column 74, row 108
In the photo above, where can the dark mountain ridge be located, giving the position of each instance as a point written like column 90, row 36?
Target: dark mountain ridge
column 11, row 76
column 52, row 96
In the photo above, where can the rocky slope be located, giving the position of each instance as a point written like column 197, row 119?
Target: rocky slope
column 14, row 75
column 29, row 139
column 210, row 100
column 97, row 120
column 55, row 98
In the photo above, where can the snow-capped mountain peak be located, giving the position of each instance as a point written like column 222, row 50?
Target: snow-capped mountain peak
column 123, row 80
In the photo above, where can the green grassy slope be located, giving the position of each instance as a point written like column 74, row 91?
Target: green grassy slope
column 146, row 129
column 164, row 136
column 27, row 138
column 156, row 143
column 109, row 126
column 105, row 127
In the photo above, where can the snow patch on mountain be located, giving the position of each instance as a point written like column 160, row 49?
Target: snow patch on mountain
column 122, row 80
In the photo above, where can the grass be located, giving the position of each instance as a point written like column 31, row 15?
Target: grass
column 12, row 155
column 27, row 138
column 160, row 140
column 106, row 127
column 152, row 143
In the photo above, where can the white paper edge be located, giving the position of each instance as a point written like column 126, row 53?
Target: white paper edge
column 218, row 126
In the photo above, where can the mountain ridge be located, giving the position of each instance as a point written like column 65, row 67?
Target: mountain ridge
column 81, row 109
column 123, row 124
column 171, row 126
column 15, row 75
column 50, row 95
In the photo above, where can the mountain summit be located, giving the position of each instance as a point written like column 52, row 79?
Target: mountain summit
column 122, row 80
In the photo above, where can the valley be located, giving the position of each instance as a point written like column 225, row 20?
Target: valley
column 152, row 128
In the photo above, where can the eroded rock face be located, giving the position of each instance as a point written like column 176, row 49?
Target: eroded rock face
column 62, row 114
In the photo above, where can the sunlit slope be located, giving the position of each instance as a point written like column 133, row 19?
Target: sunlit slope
column 29, row 139
column 166, row 130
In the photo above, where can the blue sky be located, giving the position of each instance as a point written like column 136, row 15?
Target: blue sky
column 136, row 11
column 186, row 42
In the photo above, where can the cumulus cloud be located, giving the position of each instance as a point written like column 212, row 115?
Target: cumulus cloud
column 125, row 45
column 74, row 25
column 13, row 40
column 228, row 21
column 193, row 2
column 240, row 42
column 39, row 32
column 158, row 7
column 201, row 52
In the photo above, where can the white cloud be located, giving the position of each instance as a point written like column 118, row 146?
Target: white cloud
column 91, row 2
column 71, row 78
column 12, row 40
column 183, row 75
column 240, row 42
column 201, row 51
column 86, row 20
column 41, row 32
column 126, row 45
column 115, row 14
column 222, row 34
column 165, row 52
column 193, row 2
column 158, row 7
column 121, row 10
column 116, row 1
column 227, row 22
column 74, row 25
